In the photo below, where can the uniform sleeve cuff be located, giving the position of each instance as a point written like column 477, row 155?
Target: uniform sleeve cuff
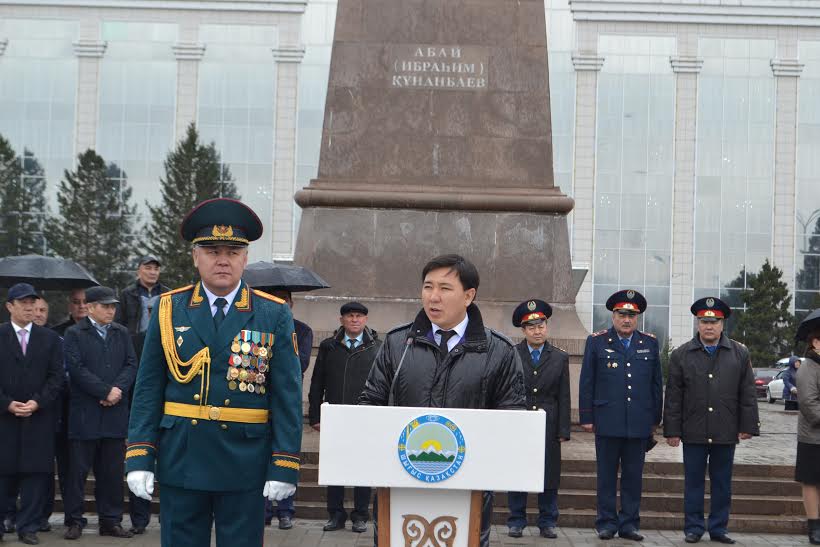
column 284, row 467
column 140, row 457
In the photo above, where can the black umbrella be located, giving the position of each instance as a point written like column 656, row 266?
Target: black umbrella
column 44, row 272
column 807, row 325
column 269, row 276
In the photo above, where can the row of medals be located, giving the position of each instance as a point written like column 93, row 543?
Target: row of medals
column 247, row 366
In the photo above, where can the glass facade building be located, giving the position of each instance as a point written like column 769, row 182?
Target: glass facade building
column 688, row 138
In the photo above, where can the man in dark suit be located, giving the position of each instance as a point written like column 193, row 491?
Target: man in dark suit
column 620, row 398
column 31, row 378
column 546, row 383
column 102, row 366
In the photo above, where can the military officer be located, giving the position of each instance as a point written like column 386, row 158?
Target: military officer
column 546, row 383
column 217, row 409
column 710, row 405
column 620, row 399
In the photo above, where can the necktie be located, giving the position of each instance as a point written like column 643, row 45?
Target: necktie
column 219, row 316
column 536, row 355
column 23, row 343
column 711, row 349
column 445, row 336
column 351, row 343
column 102, row 329
column 625, row 342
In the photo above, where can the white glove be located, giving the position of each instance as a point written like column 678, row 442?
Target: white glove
column 274, row 490
column 141, row 483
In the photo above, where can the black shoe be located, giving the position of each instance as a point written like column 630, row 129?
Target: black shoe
column 116, row 531
column 723, row 538
column 359, row 526
column 606, row 534
column 29, row 538
column 548, row 532
column 691, row 538
column 45, row 527
column 285, row 523
column 334, row 524
column 631, row 534
column 73, row 532
column 515, row 532
column 814, row 531
column 137, row 530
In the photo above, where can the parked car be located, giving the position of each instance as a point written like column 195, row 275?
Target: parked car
column 782, row 363
column 774, row 390
column 762, row 378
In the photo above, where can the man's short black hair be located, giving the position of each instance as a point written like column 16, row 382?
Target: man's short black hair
column 465, row 270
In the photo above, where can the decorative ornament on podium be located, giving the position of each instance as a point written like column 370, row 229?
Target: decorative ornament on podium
column 431, row 448
column 440, row 532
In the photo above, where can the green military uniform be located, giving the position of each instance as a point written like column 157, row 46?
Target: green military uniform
column 216, row 413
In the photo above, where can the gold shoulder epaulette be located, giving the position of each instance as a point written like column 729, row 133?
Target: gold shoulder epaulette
column 649, row 334
column 600, row 332
column 179, row 290
column 267, row 296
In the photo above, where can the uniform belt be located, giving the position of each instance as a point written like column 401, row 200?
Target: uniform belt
column 222, row 414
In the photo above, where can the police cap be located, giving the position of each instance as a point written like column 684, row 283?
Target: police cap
column 221, row 221
column 627, row 300
column 531, row 312
column 710, row 308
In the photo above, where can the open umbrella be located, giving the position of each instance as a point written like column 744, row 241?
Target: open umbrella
column 269, row 276
column 44, row 272
column 807, row 325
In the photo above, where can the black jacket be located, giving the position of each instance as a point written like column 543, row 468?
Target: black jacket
column 339, row 373
column 94, row 367
column 130, row 307
column 28, row 443
column 482, row 371
column 547, row 387
column 710, row 398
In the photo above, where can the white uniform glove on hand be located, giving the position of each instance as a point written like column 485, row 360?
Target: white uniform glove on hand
column 274, row 490
column 141, row 483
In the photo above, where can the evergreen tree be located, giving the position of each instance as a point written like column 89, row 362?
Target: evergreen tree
column 95, row 226
column 22, row 202
column 766, row 325
column 193, row 173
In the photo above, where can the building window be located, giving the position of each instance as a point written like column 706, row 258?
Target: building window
column 735, row 165
column 634, row 176
column 807, row 246
column 38, row 83
column 237, row 94
column 137, row 101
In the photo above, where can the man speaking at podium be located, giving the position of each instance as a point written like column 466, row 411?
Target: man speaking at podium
column 447, row 358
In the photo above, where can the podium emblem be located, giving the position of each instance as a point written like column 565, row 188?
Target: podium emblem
column 431, row 448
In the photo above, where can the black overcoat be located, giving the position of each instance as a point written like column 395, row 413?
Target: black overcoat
column 546, row 384
column 710, row 398
column 28, row 443
column 339, row 372
column 94, row 367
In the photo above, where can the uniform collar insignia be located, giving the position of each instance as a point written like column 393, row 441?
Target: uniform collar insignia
column 181, row 329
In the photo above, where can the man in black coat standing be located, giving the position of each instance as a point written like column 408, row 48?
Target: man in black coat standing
column 102, row 366
column 546, row 383
column 710, row 405
column 31, row 379
column 339, row 374
column 446, row 358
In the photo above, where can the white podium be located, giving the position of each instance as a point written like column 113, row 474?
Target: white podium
column 430, row 465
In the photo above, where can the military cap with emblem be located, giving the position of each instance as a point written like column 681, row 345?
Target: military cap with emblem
column 353, row 307
column 221, row 221
column 627, row 300
column 710, row 308
column 531, row 312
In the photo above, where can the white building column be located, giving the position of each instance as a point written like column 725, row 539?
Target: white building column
column 686, row 68
column 89, row 49
column 287, row 58
column 587, row 65
column 188, row 53
column 787, row 71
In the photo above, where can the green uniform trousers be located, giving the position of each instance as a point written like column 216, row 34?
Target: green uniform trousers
column 187, row 516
